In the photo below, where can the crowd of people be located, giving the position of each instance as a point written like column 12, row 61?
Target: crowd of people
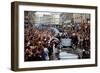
column 39, row 44
column 42, row 44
